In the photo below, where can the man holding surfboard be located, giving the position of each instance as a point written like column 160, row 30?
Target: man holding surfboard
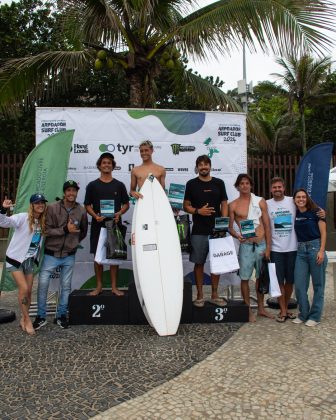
column 141, row 172
column 205, row 198
column 105, row 197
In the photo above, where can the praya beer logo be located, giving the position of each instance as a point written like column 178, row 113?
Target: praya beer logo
column 178, row 148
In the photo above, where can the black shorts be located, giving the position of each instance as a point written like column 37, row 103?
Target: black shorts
column 199, row 248
column 284, row 265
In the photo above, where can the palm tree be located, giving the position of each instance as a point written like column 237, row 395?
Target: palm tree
column 140, row 37
column 279, row 130
column 302, row 79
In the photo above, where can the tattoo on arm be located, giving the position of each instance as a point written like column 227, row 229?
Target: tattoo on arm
column 24, row 300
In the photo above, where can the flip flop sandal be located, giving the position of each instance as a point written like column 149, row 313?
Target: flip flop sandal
column 199, row 303
column 281, row 318
column 218, row 302
column 290, row 315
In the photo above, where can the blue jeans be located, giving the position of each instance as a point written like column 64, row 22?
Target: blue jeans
column 306, row 266
column 50, row 263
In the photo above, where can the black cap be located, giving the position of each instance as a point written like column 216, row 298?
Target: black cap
column 69, row 184
column 36, row 198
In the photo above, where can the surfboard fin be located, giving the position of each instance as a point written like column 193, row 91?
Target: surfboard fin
column 151, row 177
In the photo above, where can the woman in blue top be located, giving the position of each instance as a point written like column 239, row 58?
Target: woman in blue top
column 311, row 259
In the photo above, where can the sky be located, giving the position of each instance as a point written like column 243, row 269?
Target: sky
column 230, row 68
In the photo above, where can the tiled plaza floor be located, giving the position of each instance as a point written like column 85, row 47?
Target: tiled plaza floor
column 260, row 371
column 267, row 370
column 82, row 371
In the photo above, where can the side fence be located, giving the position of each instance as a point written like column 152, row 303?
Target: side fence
column 262, row 168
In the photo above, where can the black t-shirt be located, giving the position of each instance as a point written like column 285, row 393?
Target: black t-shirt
column 98, row 190
column 199, row 193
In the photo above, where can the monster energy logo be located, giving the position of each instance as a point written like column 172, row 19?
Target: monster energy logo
column 180, row 229
column 177, row 148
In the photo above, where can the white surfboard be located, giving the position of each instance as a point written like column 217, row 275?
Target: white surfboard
column 158, row 258
column 135, row 269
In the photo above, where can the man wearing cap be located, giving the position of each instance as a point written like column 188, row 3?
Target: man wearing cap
column 105, row 196
column 66, row 225
column 141, row 172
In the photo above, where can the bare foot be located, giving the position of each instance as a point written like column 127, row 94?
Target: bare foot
column 22, row 324
column 252, row 317
column 117, row 292
column 95, row 292
column 29, row 328
column 265, row 314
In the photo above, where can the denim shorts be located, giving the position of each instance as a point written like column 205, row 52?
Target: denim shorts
column 26, row 267
column 250, row 256
column 199, row 248
column 284, row 265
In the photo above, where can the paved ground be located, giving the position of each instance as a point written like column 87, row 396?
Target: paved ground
column 265, row 370
column 85, row 370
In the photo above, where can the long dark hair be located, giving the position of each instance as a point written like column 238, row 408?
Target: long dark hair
column 311, row 205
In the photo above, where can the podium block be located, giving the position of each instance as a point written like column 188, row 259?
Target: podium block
column 234, row 311
column 104, row 309
column 137, row 317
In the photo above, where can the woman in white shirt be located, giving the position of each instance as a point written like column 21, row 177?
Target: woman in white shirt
column 24, row 249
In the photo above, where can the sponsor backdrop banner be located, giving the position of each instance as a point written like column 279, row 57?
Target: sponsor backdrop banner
column 178, row 138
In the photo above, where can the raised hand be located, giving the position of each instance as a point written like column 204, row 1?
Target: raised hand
column 7, row 204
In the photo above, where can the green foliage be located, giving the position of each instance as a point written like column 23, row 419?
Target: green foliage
column 17, row 135
column 321, row 122
column 302, row 79
column 49, row 49
column 25, row 28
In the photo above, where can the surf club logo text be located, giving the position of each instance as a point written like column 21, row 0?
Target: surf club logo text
column 53, row 126
column 230, row 132
column 178, row 148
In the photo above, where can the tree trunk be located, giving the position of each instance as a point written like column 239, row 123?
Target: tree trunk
column 303, row 129
column 136, row 89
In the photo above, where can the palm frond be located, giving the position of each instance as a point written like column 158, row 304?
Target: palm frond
column 275, row 24
column 31, row 78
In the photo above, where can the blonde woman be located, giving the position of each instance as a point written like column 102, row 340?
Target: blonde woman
column 24, row 249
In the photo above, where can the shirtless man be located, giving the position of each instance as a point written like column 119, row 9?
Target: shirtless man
column 140, row 173
column 251, row 250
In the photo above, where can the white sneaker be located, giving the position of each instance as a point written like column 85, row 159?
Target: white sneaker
column 311, row 323
column 297, row 321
